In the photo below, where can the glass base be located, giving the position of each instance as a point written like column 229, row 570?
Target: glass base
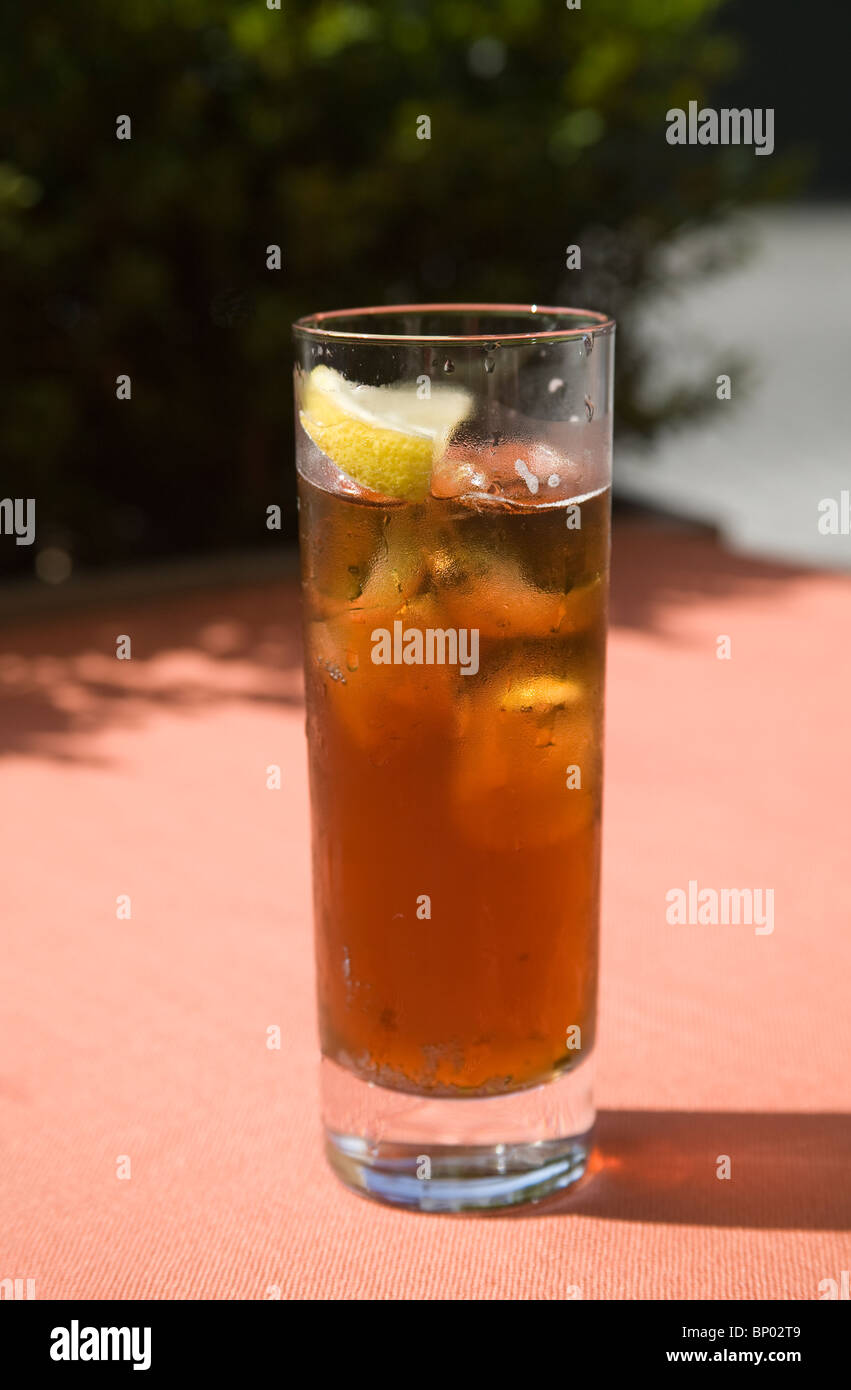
column 457, row 1155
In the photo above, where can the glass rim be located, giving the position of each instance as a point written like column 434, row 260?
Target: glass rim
column 321, row 325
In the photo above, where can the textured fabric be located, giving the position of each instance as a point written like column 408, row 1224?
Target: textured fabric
column 147, row 1037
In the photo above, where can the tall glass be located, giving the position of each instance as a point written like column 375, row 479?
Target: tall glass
column 454, row 468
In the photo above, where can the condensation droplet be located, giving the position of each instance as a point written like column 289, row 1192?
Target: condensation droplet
column 554, row 384
column 589, row 408
column 522, row 469
column 449, row 365
column 589, row 344
column 553, row 480
column 489, row 364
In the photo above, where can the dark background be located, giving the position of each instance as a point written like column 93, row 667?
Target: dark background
column 298, row 127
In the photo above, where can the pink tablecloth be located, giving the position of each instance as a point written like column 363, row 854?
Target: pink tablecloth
column 144, row 1039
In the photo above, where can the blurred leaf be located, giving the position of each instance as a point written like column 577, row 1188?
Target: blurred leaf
column 298, row 128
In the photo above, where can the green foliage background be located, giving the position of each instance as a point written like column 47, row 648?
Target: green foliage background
column 297, row 126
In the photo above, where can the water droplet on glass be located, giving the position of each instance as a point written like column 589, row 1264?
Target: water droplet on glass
column 554, row 384
column 491, row 347
column 589, row 408
column 589, row 344
column 489, row 364
column 449, row 365
column 553, row 480
column 522, row 469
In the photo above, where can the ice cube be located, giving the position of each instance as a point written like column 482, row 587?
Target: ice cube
column 519, row 469
column 510, row 786
column 479, row 589
column 455, row 475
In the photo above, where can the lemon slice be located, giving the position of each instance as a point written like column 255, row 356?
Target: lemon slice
column 386, row 438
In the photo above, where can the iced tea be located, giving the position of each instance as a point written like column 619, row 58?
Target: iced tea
column 454, row 468
column 456, row 810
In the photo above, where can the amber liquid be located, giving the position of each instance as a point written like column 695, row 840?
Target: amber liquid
column 456, row 851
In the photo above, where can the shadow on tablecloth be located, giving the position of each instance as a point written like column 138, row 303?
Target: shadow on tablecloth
column 787, row 1171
